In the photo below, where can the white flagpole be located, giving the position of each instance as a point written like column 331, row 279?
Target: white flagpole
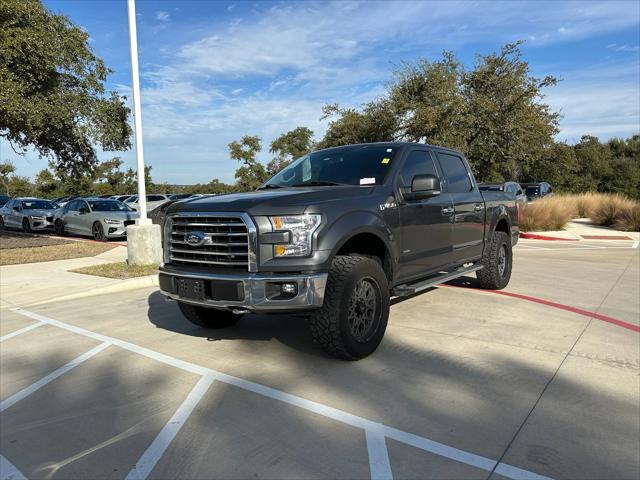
column 137, row 114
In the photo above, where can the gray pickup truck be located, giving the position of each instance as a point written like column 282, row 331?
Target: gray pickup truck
column 333, row 237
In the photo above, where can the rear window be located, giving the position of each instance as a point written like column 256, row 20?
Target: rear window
column 532, row 190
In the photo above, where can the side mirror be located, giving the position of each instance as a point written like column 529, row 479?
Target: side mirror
column 17, row 208
column 422, row 186
column 83, row 211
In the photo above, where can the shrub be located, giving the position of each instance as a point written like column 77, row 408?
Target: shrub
column 628, row 219
column 610, row 208
column 551, row 213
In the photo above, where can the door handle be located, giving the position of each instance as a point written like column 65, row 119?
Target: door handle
column 479, row 207
column 447, row 210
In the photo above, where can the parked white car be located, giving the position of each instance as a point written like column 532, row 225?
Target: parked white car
column 154, row 200
column 28, row 214
column 99, row 217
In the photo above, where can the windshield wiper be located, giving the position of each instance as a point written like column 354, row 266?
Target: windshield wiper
column 316, row 183
column 270, row 185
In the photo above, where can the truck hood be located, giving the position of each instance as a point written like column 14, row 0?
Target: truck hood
column 273, row 202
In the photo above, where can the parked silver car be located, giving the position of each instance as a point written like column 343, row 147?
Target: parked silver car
column 28, row 214
column 154, row 200
column 101, row 218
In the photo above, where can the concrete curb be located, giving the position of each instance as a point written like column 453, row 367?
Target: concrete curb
column 535, row 236
column 121, row 286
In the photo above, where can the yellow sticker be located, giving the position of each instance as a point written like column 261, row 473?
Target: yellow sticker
column 386, row 160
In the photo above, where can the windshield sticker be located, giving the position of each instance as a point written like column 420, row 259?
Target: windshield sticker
column 368, row 181
column 385, row 161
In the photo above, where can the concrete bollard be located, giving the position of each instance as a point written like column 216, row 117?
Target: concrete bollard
column 144, row 245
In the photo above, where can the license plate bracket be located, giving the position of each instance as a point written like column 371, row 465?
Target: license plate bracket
column 190, row 288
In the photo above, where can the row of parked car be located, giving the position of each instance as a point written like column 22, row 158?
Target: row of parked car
column 524, row 192
column 101, row 217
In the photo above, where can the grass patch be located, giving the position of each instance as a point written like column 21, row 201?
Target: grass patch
column 119, row 270
column 605, row 209
column 15, row 256
column 545, row 214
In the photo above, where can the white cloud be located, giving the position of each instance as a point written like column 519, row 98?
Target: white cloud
column 162, row 16
column 623, row 48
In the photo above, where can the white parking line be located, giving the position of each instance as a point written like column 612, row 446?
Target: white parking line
column 423, row 443
column 150, row 457
column 21, row 331
column 8, row 471
column 52, row 376
column 378, row 456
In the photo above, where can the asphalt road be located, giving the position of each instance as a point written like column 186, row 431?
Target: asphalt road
column 466, row 384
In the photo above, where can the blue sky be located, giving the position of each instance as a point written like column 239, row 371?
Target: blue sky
column 212, row 71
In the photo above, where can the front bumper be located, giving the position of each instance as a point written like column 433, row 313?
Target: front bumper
column 247, row 291
column 41, row 223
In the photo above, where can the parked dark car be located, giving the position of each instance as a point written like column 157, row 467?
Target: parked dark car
column 334, row 236
column 537, row 190
column 511, row 187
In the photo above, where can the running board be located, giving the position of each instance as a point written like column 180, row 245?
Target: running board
column 411, row 288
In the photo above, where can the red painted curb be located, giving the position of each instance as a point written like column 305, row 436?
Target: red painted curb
column 560, row 306
column 535, row 236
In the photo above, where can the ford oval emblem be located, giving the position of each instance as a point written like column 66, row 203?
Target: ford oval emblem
column 195, row 238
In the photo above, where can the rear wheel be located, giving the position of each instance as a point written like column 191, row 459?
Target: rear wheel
column 497, row 262
column 98, row 232
column 352, row 321
column 1, row 223
column 26, row 225
column 59, row 228
column 209, row 317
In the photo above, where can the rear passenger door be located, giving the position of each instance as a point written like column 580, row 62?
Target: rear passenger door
column 468, row 204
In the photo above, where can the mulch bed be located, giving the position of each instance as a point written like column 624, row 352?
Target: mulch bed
column 14, row 239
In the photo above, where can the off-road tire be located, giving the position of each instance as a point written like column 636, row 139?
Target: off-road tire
column 492, row 276
column 330, row 325
column 26, row 225
column 58, row 227
column 209, row 317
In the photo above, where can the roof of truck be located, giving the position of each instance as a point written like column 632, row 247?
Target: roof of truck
column 397, row 145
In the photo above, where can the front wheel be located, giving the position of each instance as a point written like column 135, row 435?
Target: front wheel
column 209, row 317
column 1, row 223
column 59, row 228
column 352, row 321
column 98, row 232
column 497, row 262
column 26, row 226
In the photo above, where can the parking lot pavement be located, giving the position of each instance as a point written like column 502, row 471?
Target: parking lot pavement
column 466, row 384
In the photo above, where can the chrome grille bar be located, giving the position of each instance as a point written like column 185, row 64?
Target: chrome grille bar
column 229, row 240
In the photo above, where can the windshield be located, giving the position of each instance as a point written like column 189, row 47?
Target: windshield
column 108, row 206
column 532, row 190
column 38, row 205
column 179, row 196
column 353, row 165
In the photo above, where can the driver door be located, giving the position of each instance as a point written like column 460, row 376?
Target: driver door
column 425, row 224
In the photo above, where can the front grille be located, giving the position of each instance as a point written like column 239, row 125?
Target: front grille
column 227, row 246
column 49, row 219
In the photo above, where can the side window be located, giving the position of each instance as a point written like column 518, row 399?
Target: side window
column 510, row 188
column 418, row 162
column 154, row 198
column 455, row 172
column 10, row 204
column 72, row 206
column 82, row 204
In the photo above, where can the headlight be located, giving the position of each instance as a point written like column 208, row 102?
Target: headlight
column 36, row 217
column 112, row 222
column 301, row 228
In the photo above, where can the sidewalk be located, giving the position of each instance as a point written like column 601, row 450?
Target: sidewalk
column 582, row 229
column 23, row 284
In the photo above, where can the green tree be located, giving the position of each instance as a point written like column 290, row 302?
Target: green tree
column 52, row 94
column 20, row 186
column 109, row 171
column 252, row 173
column 6, row 170
column 46, row 184
column 289, row 146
